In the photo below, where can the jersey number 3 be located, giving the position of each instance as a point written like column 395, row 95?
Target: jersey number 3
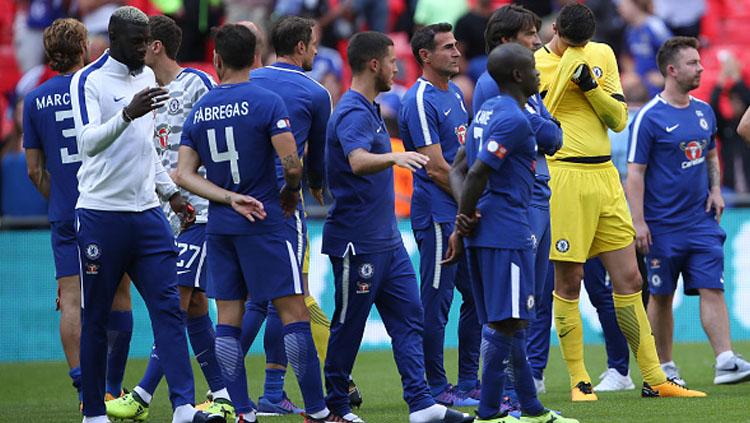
column 65, row 156
column 231, row 155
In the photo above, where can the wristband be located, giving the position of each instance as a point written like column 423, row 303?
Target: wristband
column 125, row 116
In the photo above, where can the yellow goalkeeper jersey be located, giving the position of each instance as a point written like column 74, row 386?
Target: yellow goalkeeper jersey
column 584, row 132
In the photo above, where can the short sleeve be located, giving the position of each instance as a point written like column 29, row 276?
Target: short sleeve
column 420, row 119
column 355, row 131
column 499, row 140
column 278, row 117
column 610, row 81
column 714, row 129
column 641, row 139
column 30, row 137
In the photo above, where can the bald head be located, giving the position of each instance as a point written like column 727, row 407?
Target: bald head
column 260, row 41
column 512, row 64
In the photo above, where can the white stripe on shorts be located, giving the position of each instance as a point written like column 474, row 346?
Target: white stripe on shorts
column 197, row 282
column 515, row 289
column 344, row 288
column 300, row 239
column 295, row 268
column 438, row 255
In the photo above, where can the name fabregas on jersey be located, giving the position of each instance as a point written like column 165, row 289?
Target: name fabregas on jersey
column 225, row 111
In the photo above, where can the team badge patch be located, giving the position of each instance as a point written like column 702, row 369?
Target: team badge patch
column 597, row 72
column 366, row 270
column 704, row 124
column 498, row 150
column 173, row 107
column 363, row 288
column 92, row 269
column 283, row 123
column 562, row 245
column 93, row 252
column 530, row 302
column 656, row 280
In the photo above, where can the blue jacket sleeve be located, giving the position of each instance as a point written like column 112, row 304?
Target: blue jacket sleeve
column 546, row 130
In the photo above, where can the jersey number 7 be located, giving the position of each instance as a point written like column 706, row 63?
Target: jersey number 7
column 231, row 155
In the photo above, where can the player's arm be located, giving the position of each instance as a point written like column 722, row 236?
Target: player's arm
column 547, row 130
column 35, row 166
column 457, row 174
column 286, row 149
column 744, row 127
column 316, row 144
column 715, row 200
column 635, row 188
column 437, row 168
column 168, row 191
column 606, row 99
column 187, row 176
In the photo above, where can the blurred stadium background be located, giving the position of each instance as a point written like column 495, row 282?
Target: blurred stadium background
column 28, row 322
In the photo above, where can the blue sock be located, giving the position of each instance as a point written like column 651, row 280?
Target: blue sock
column 153, row 374
column 300, row 350
column 75, row 376
column 524, row 379
column 273, row 339
column 273, row 388
column 232, row 362
column 203, row 341
column 467, row 385
column 495, row 350
column 119, row 332
column 252, row 320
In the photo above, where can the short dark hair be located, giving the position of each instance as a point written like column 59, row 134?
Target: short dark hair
column 64, row 41
column 424, row 38
column 507, row 22
column 289, row 31
column 576, row 23
column 235, row 44
column 365, row 46
column 165, row 30
column 505, row 59
column 671, row 48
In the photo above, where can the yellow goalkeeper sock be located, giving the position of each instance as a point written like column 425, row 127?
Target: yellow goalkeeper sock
column 320, row 325
column 570, row 333
column 633, row 322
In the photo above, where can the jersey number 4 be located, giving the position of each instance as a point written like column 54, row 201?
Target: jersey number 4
column 231, row 155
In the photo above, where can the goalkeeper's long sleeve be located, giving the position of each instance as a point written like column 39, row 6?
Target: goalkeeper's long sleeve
column 612, row 111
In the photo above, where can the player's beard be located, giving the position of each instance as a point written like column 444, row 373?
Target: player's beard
column 382, row 82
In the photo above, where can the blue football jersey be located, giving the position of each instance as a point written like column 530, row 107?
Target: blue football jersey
column 501, row 138
column 362, row 218
column 428, row 116
column 548, row 134
column 48, row 125
column 309, row 107
column 231, row 128
column 643, row 43
column 673, row 143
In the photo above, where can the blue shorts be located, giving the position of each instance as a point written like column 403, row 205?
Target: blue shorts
column 191, row 269
column 697, row 255
column 503, row 283
column 65, row 248
column 265, row 266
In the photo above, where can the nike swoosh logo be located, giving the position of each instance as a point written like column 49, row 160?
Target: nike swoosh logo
column 733, row 369
column 180, row 272
column 671, row 128
column 447, row 112
column 118, row 98
column 564, row 334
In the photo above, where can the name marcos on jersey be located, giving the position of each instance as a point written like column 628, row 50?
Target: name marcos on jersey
column 225, row 111
column 52, row 100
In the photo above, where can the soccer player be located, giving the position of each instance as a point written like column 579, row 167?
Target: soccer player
column 589, row 214
column 501, row 155
column 433, row 121
column 674, row 188
column 234, row 131
column 309, row 107
column 120, row 226
column 185, row 86
column 52, row 159
column 360, row 236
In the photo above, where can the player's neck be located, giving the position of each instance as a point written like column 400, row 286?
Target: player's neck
column 639, row 20
column 290, row 60
column 674, row 95
column 235, row 76
column 166, row 71
column 366, row 87
column 435, row 78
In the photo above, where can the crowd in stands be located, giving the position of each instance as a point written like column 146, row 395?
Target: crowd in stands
column 633, row 28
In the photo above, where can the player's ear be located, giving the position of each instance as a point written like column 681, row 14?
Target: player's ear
column 424, row 55
column 517, row 75
column 374, row 65
column 300, row 47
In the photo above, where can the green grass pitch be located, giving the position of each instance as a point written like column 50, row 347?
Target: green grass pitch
column 41, row 392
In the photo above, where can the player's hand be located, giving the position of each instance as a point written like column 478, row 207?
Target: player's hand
column 465, row 224
column 715, row 201
column 289, row 200
column 642, row 237
column 455, row 249
column 583, row 78
column 145, row 101
column 317, row 193
column 410, row 160
column 248, row 206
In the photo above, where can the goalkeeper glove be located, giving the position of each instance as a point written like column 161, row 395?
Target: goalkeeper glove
column 583, row 78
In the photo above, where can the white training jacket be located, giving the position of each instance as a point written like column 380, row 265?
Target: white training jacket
column 120, row 170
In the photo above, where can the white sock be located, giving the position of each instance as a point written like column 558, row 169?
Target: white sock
column 350, row 416
column 183, row 414
column 320, row 414
column 145, row 396
column 668, row 363
column 722, row 360
column 96, row 419
column 429, row 414
column 221, row 393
